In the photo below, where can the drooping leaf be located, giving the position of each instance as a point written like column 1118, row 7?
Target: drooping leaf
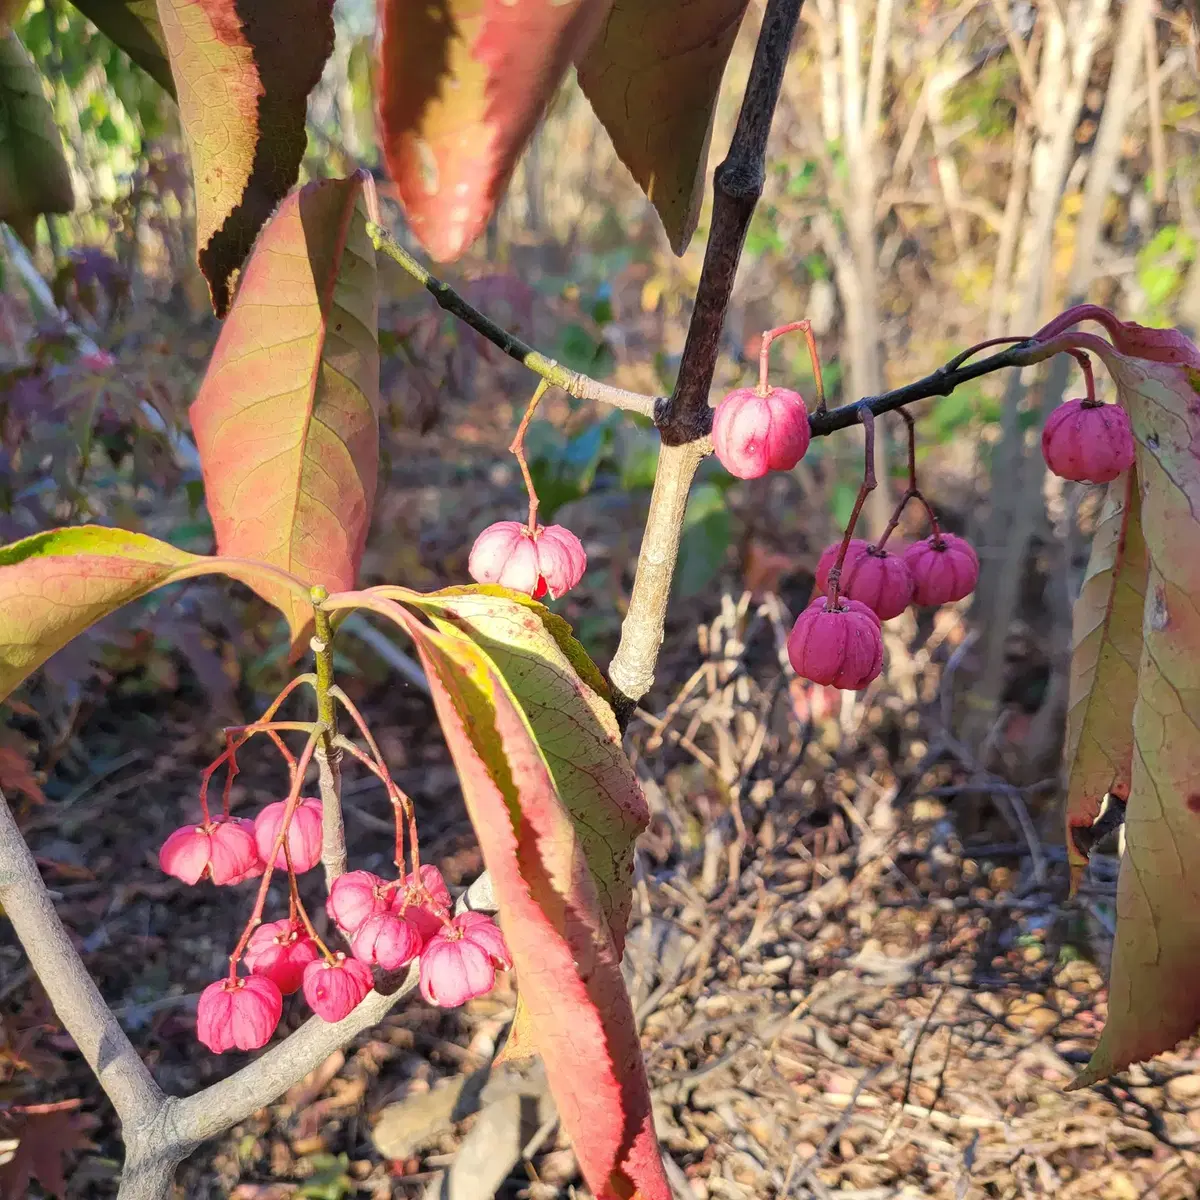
column 566, row 701
column 34, row 178
column 652, row 75
column 287, row 418
column 135, row 27
column 54, row 585
column 1154, row 988
column 1106, row 651
column 243, row 70
column 581, row 1018
column 462, row 86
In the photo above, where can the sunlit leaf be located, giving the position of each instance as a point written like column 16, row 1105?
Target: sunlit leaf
column 10, row 13
column 286, row 419
column 462, row 86
column 1106, row 650
column 34, row 178
column 550, row 907
column 652, row 76
column 243, row 70
column 135, row 27
column 54, row 585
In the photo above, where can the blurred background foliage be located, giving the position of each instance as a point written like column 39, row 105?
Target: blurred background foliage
column 939, row 174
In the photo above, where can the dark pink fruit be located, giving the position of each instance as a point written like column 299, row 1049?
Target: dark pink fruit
column 304, row 834
column 388, row 941
column 223, row 850
column 335, row 989
column 459, row 962
column 280, row 950
column 1088, row 443
column 754, row 433
column 944, row 568
column 877, row 578
column 549, row 560
column 238, row 1012
column 842, row 647
column 354, row 897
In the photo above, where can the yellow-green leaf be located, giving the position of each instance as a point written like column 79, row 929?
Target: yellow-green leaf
column 653, row 75
column 243, row 70
column 54, row 585
column 287, row 418
column 1106, row 649
column 34, row 177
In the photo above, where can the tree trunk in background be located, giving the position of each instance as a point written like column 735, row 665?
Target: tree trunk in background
column 1064, row 65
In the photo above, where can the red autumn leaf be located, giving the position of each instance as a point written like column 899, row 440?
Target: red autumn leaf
column 461, row 88
column 568, row 969
column 46, row 1134
column 287, row 418
column 16, row 776
column 652, row 75
column 243, row 70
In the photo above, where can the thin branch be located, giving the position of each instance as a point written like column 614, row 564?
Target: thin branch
column 76, row 999
column 328, row 757
column 583, row 387
column 187, row 1123
column 938, row 383
column 684, row 426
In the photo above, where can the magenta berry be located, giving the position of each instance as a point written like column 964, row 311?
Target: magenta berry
column 549, row 559
column 238, row 1012
column 1087, row 442
column 424, row 904
column 459, row 962
column 223, row 850
column 279, row 951
column 335, row 989
column 304, row 833
column 944, row 568
column 755, row 432
column 387, row 941
column 842, row 647
column 354, row 897
column 877, row 578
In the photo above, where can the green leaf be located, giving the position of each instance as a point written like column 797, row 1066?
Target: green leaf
column 34, row 178
column 653, row 75
column 55, row 585
column 135, row 27
column 707, row 534
column 287, row 418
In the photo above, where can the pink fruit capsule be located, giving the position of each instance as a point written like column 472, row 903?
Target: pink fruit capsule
column 754, row 433
column 842, row 647
column 304, row 834
column 280, row 950
column 944, row 568
column 459, row 962
column 1087, row 442
column 238, row 1012
column 388, row 941
column 877, row 578
column 224, row 851
column 335, row 989
column 548, row 560
column 356, row 896
column 424, row 904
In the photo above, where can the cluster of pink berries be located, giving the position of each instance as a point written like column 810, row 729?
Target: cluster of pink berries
column 387, row 924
